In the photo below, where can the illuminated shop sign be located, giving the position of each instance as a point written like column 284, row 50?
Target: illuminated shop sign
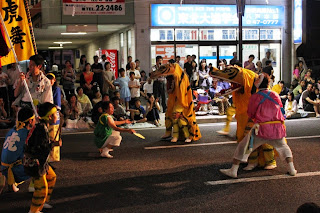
column 215, row 15
column 297, row 26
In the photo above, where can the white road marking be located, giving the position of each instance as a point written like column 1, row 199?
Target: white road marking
column 263, row 178
column 220, row 143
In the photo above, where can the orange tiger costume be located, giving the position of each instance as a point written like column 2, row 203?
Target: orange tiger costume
column 179, row 94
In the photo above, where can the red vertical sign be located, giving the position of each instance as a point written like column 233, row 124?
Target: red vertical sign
column 112, row 57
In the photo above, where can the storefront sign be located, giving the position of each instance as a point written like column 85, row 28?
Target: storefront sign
column 215, row 15
column 186, row 34
column 93, row 7
column 297, row 26
column 112, row 57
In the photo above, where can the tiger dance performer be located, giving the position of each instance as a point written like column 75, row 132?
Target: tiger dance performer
column 179, row 97
column 38, row 148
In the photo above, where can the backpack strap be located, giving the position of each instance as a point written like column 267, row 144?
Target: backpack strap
column 266, row 96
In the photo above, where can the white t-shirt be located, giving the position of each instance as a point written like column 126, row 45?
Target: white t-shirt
column 135, row 92
column 3, row 78
column 136, row 73
column 148, row 87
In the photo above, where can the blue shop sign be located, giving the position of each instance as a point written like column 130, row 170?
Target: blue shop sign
column 188, row 15
column 297, row 26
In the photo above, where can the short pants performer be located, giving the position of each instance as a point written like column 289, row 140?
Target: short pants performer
column 265, row 109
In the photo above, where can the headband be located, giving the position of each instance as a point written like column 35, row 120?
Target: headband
column 21, row 124
column 52, row 111
column 51, row 75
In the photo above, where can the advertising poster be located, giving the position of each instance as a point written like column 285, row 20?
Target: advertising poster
column 112, row 57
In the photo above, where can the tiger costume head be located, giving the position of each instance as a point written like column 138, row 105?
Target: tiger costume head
column 165, row 70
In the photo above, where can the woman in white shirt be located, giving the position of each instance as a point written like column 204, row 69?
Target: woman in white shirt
column 291, row 107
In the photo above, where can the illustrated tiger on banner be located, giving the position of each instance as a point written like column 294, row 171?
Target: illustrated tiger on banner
column 244, row 78
column 180, row 100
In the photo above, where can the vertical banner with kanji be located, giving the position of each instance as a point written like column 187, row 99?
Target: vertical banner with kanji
column 16, row 22
column 112, row 57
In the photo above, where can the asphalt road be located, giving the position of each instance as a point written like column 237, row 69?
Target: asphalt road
column 158, row 176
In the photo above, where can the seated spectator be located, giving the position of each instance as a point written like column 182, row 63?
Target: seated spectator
column 298, row 90
column 296, row 76
column 97, row 97
column 5, row 122
column 86, row 81
column 284, row 92
column 137, row 113
column 64, row 106
column 310, row 102
column 221, row 101
column 291, row 107
column 224, row 85
column 153, row 109
column 316, row 91
column 143, row 81
column 73, row 111
column 277, row 88
column 134, row 86
column 318, row 84
column 119, row 111
column 308, row 78
column 148, row 88
column 117, row 94
column 97, row 109
column 85, row 102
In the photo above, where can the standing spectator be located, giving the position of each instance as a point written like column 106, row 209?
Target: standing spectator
column 234, row 60
column 86, row 81
column 296, row 76
column 267, row 58
column 159, row 89
column 309, row 101
column 97, row 70
column 210, row 66
column 4, row 81
column 291, row 105
column 249, row 64
column 204, row 76
column 179, row 62
column 108, row 77
column 69, row 78
column 188, row 66
column 137, row 61
column 5, row 122
column 85, row 102
column 222, row 64
column 298, row 90
column 195, row 76
column 129, row 61
column 103, row 62
column 194, row 57
column 119, row 112
column 13, row 73
column 133, row 69
column 39, row 85
column 302, row 71
column 123, row 81
column 153, row 109
column 134, row 86
column 83, row 63
column 308, row 78
column 148, row 87
column 142, row 80
column 259, row 67
column 64, row 106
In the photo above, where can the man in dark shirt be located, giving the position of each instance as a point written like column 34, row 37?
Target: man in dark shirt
column 188, row 66
column 310, row 103
column 97, row 69
column 234, row 60
column 284, row 92
column 129, row 62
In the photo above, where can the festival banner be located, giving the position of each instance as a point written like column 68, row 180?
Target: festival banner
column 112, row 57
column 94, row 7
column 16, row 22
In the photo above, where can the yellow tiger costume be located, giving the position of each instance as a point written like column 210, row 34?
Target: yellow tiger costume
column 179, row 94
column 245, row 78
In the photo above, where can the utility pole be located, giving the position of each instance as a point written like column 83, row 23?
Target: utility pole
column 240, row 11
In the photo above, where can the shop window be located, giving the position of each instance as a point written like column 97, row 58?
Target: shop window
column 162, row 35
column 166, row 51
column 270, row 34
column 186, row 34
column 217, row 34
column 274, row 49
column 250, row 49
column 187, row 49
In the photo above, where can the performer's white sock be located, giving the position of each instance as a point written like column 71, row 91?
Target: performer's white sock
column 232, row 172
column 292, row 170
column 250, row 166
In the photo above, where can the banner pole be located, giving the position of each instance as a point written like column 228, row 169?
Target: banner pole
column 17, row 61
column 26, row 5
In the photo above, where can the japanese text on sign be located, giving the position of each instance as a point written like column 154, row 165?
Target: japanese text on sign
column 215, row 15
